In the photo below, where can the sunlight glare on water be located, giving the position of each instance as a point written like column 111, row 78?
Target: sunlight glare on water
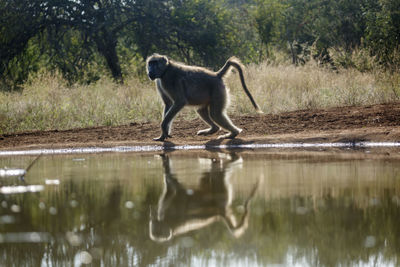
column 203, row 208
column 155, row 148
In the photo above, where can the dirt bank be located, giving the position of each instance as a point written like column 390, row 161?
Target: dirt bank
column 366, row 123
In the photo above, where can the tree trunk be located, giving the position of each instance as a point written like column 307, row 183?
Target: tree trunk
column 107, row 46
column 294, row 56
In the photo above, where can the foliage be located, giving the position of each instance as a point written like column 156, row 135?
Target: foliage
column 268, row 17
column 85, row 39
column 383, row 30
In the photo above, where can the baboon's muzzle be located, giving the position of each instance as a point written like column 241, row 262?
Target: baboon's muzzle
column 152, row 76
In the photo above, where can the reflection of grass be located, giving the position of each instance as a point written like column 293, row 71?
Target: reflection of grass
column 47, row 102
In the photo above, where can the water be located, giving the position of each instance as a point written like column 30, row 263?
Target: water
column 275, row 208
column 156, row 148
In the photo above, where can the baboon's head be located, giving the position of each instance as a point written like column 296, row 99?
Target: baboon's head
column 156, row 66
column 159, row 231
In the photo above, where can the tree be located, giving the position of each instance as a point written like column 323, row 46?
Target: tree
column 194, row 31
column 268, row 17
column 99, row 21
column 20, row 21
column 383, row 30
column 60, row 23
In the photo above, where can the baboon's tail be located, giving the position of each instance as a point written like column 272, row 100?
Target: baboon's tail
column 234, row 62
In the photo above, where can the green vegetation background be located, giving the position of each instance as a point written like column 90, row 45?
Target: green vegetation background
column 70, row 63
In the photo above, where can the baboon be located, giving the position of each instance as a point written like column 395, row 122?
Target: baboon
column 181, row 210
column 180, row 85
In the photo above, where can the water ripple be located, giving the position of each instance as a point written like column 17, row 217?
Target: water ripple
column 21, row 189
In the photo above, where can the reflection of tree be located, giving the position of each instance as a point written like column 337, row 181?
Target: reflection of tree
column 182, row 210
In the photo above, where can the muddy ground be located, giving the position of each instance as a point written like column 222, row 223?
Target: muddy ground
column 344, row 124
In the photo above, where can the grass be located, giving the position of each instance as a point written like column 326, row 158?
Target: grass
column 47, row 102
column 286, row 87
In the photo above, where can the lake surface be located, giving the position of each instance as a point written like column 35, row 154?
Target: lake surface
column 263, row 208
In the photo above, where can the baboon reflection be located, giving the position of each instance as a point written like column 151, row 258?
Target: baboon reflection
column 181, row 210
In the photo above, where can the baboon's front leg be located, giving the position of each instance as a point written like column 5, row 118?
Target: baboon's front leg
column 165, row 98
column 167, row 106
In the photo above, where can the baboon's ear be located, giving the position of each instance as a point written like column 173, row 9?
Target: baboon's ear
column 165, row 60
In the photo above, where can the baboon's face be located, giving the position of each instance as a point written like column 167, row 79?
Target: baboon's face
column 156, row 66
column 160, row 231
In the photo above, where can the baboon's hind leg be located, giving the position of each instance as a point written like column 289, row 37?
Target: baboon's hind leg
column 219, row 116
column 204, row 114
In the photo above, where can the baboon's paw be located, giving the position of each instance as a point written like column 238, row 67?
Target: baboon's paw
column 208, row 131
column 161, row 138
column 228, row 136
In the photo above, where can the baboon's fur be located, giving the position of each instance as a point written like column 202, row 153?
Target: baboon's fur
column 180, row 85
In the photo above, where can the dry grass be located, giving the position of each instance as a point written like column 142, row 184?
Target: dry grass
column 286, row 88
column 46, row 101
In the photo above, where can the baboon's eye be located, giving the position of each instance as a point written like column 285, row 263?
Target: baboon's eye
column 152, row 66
